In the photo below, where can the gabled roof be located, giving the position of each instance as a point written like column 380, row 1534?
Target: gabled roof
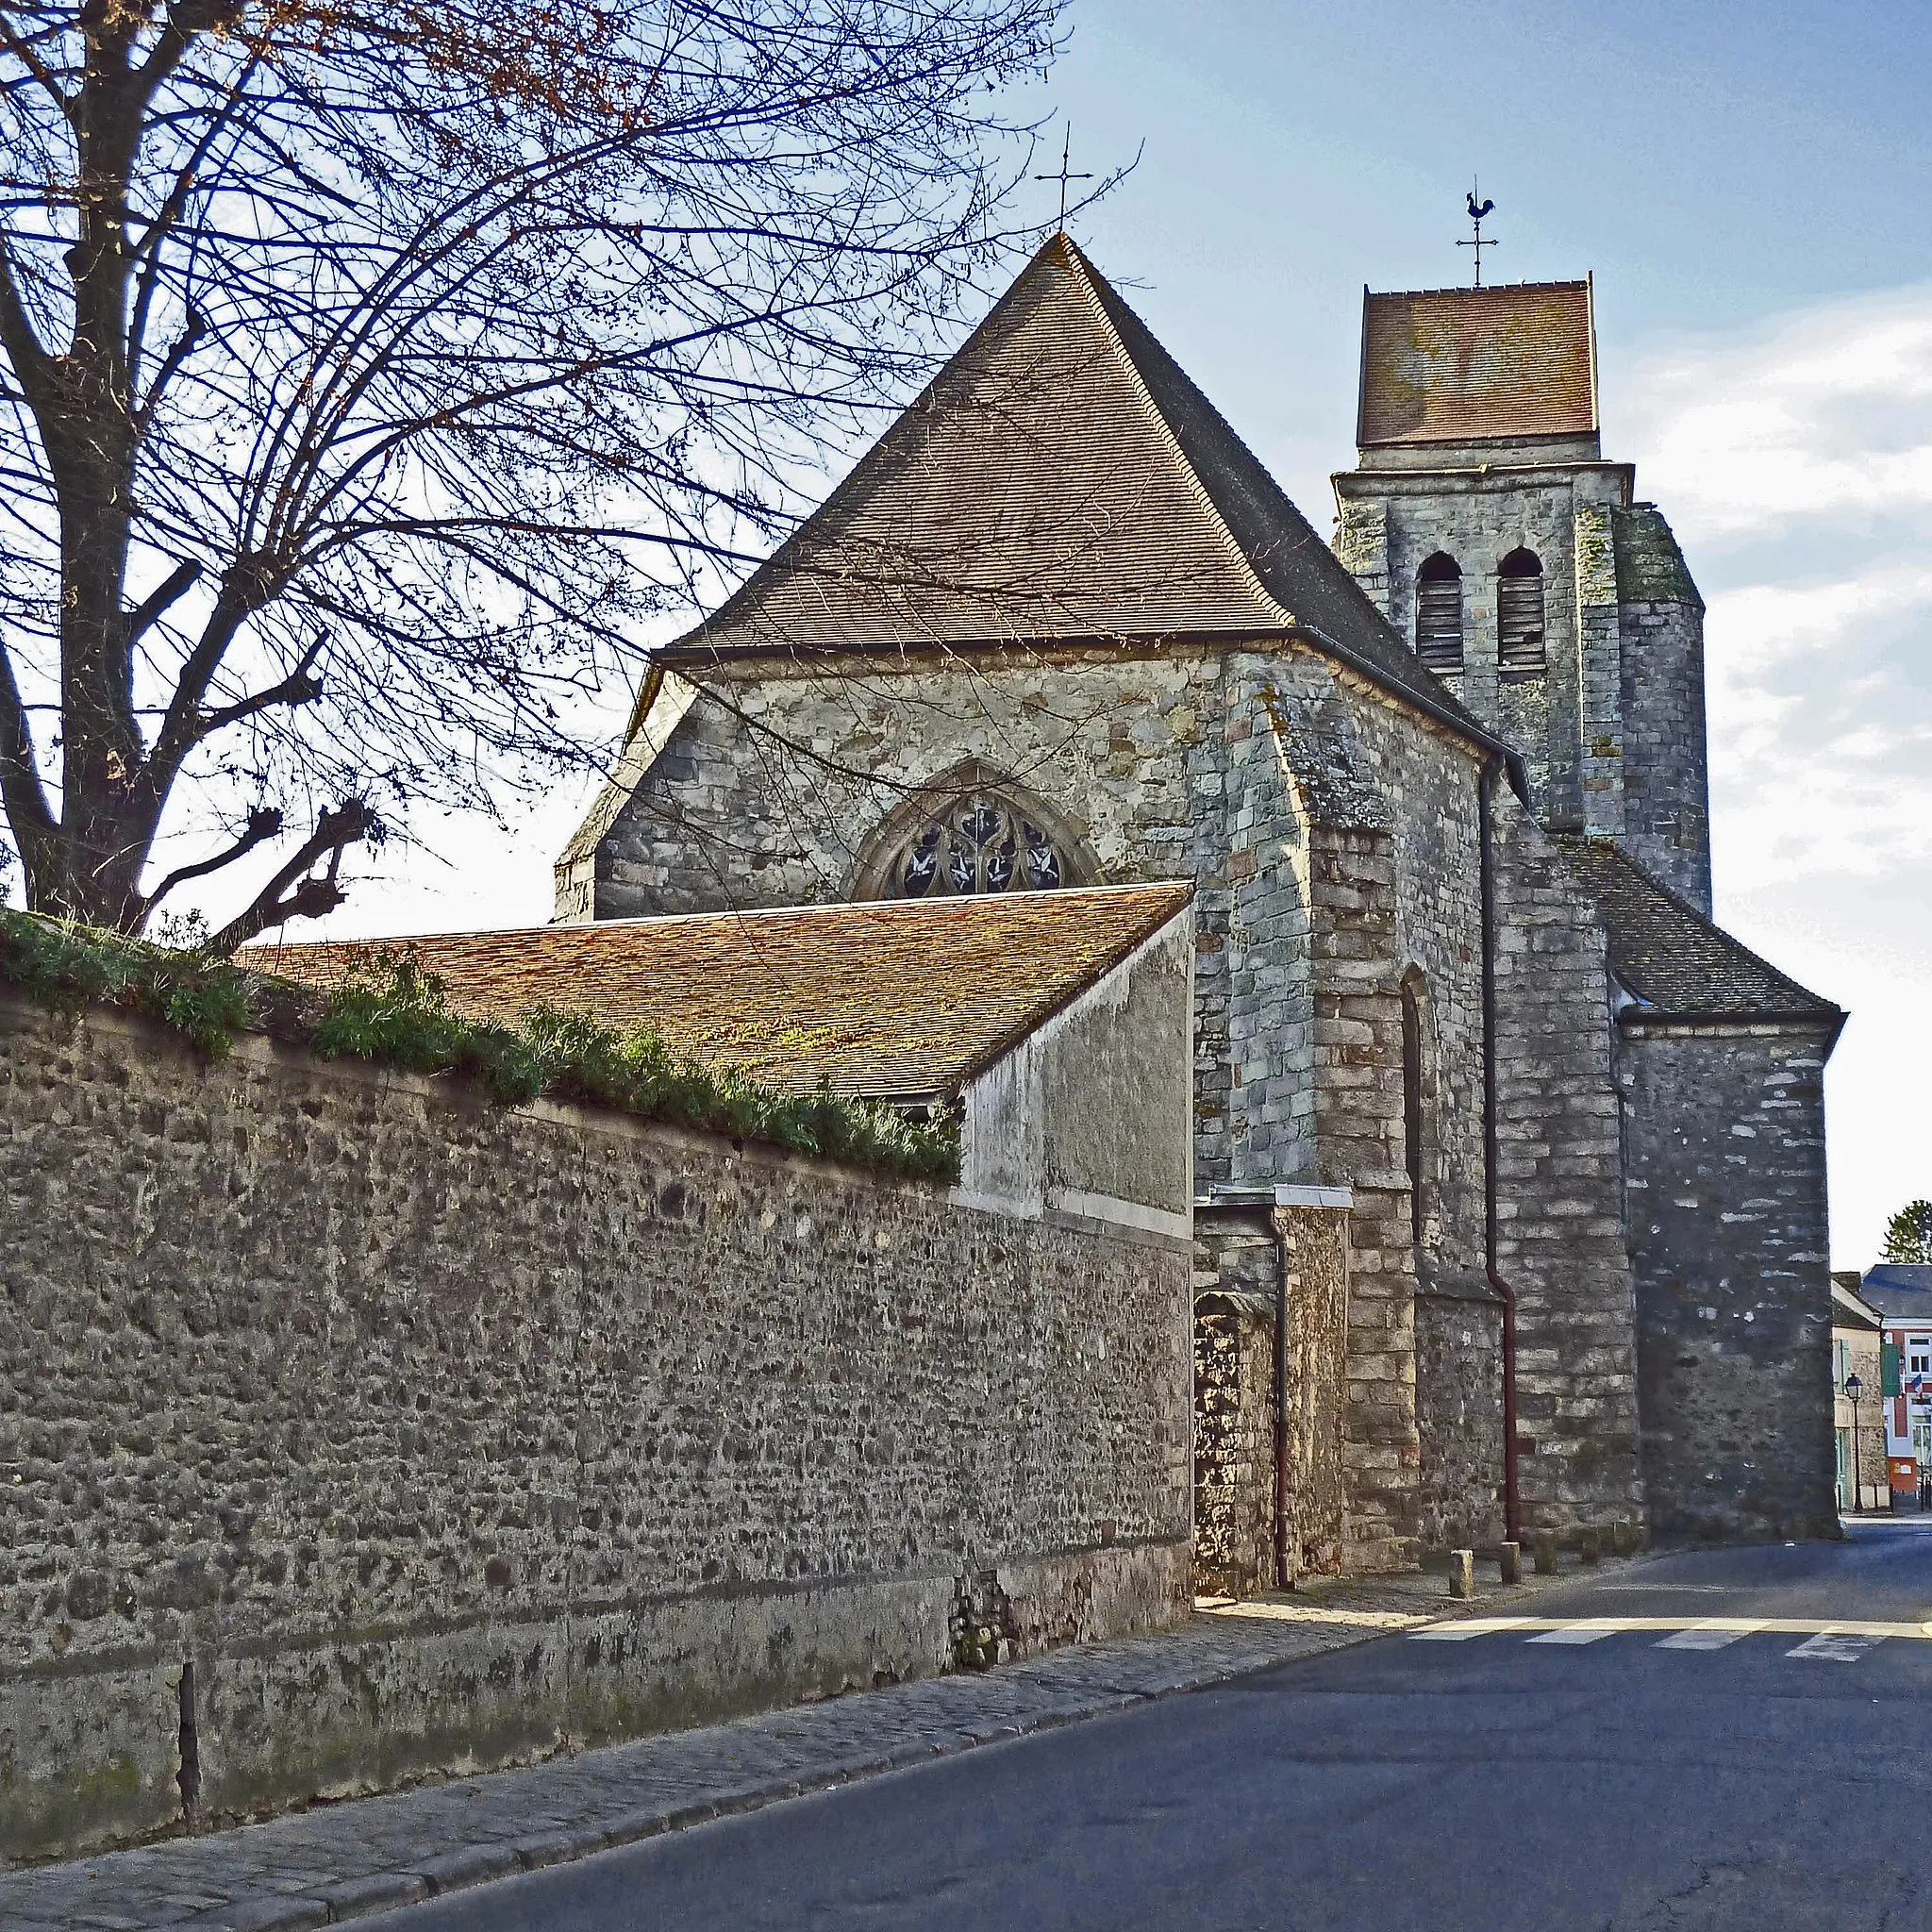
column 1474, row 365
column 1672, row 958
column 1060, row 479
column 1850, row 1309
column 903, row 997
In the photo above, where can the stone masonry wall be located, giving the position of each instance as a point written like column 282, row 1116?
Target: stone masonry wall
column 438, row 1434
column 1459, row 1370
column 1234, row 1448
column 1249, row 1259
column 1666, row 786
column 1559, row 1188
column 1727, row 1211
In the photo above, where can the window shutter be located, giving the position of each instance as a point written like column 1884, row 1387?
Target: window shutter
column 1439, row 614
column 1520, row 613
column 1888, row 1368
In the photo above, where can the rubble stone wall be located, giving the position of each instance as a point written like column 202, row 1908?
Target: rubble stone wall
column 438, row 1435
column 1727, row 1220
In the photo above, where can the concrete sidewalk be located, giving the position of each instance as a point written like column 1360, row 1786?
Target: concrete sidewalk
column 341, row 1862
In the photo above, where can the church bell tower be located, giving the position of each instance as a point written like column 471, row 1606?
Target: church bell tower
column 1516, row 561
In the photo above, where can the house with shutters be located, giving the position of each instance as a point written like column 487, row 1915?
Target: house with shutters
column 1902, row 1294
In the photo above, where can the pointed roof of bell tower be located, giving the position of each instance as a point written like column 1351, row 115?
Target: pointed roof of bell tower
column 1059, row 479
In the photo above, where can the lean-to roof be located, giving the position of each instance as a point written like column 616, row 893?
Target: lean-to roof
column 1672, row 958
column 903, row 997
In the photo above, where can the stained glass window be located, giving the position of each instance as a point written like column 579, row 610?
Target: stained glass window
column 981, row 843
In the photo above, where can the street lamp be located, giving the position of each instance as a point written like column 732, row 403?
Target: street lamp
column 1854, row 1388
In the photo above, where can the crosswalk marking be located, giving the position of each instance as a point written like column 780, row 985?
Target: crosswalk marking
column 1576, row 1632
column 1475, row 1627
column 1836, row 1646
column 1707, row 1635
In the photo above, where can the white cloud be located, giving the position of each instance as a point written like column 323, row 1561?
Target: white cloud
column 1824, row 412
column 1795, row 465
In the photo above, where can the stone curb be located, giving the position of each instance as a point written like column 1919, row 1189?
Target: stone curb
column 482, row 1863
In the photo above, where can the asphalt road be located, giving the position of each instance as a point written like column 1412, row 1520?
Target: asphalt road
column 1533, row 1778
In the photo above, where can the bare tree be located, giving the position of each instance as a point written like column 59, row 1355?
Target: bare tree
column 368, row 371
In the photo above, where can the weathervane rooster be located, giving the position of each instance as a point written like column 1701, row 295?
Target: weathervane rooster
column 1477, row 209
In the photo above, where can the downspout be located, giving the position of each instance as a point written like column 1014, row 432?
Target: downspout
column 1512, row 1509
column 1283, row 1580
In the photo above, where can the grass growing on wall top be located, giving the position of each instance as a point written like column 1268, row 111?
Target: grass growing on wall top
column 397, row 1015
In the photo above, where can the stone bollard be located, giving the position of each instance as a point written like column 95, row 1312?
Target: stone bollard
column 1546, row 1552
column 1512, row 1562
column 1462, row 1574
column 1591, row 1544
column 1623, row 1538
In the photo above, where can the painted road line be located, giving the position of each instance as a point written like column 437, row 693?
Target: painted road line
column 1474, row 1626
column 1836, row 1646
column 1587, row 1632
column 1456, row 1629
column 1713, row 1636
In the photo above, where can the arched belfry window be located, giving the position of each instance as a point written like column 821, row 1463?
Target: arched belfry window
column 1439, row 613
column 986, row 838
column 1520, row 612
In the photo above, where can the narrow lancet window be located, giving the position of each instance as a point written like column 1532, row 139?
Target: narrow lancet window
column 1413, row 1125
column 1520, row 612
column 1439, row 613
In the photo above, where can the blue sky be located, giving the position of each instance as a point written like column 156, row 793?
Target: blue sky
column 1752, row 187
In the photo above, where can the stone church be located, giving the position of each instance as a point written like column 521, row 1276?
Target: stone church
column 1509, row 1206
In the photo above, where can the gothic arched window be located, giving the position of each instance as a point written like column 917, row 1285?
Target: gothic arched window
column 980, row 843
column 1439, row 613
column 1520, row 612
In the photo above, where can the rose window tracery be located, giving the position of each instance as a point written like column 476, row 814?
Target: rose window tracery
column 982, row 843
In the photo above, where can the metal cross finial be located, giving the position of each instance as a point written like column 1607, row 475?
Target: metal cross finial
column 1065, row 173
column 1477, row 209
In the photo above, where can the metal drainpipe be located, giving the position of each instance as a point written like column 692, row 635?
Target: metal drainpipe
column 1512, row 1510
column 1282, row 1579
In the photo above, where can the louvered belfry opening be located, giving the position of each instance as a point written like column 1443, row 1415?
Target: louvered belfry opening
column 1520, row 612
column 1439, row 613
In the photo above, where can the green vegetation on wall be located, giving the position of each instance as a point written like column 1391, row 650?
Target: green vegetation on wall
column 398, row 1016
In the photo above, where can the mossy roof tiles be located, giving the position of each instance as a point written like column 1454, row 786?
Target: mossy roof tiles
column 903, row 997
column 1671, row 957
column 1472, row 365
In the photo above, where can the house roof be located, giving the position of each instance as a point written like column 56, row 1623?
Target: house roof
column 1060, row 479
column 1672, row 958
column 1472, row 365
column 1900, row 1289
column 1850, row 1309
column 903, row 997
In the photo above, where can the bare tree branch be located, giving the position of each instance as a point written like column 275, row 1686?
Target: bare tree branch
column 293, row 892
column 264, row 823
column 493, row 335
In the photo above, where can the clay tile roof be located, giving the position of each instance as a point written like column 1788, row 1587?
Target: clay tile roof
column 903, row 997
column 1675, row 960
column 1060, row 479
column 1469, row 365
